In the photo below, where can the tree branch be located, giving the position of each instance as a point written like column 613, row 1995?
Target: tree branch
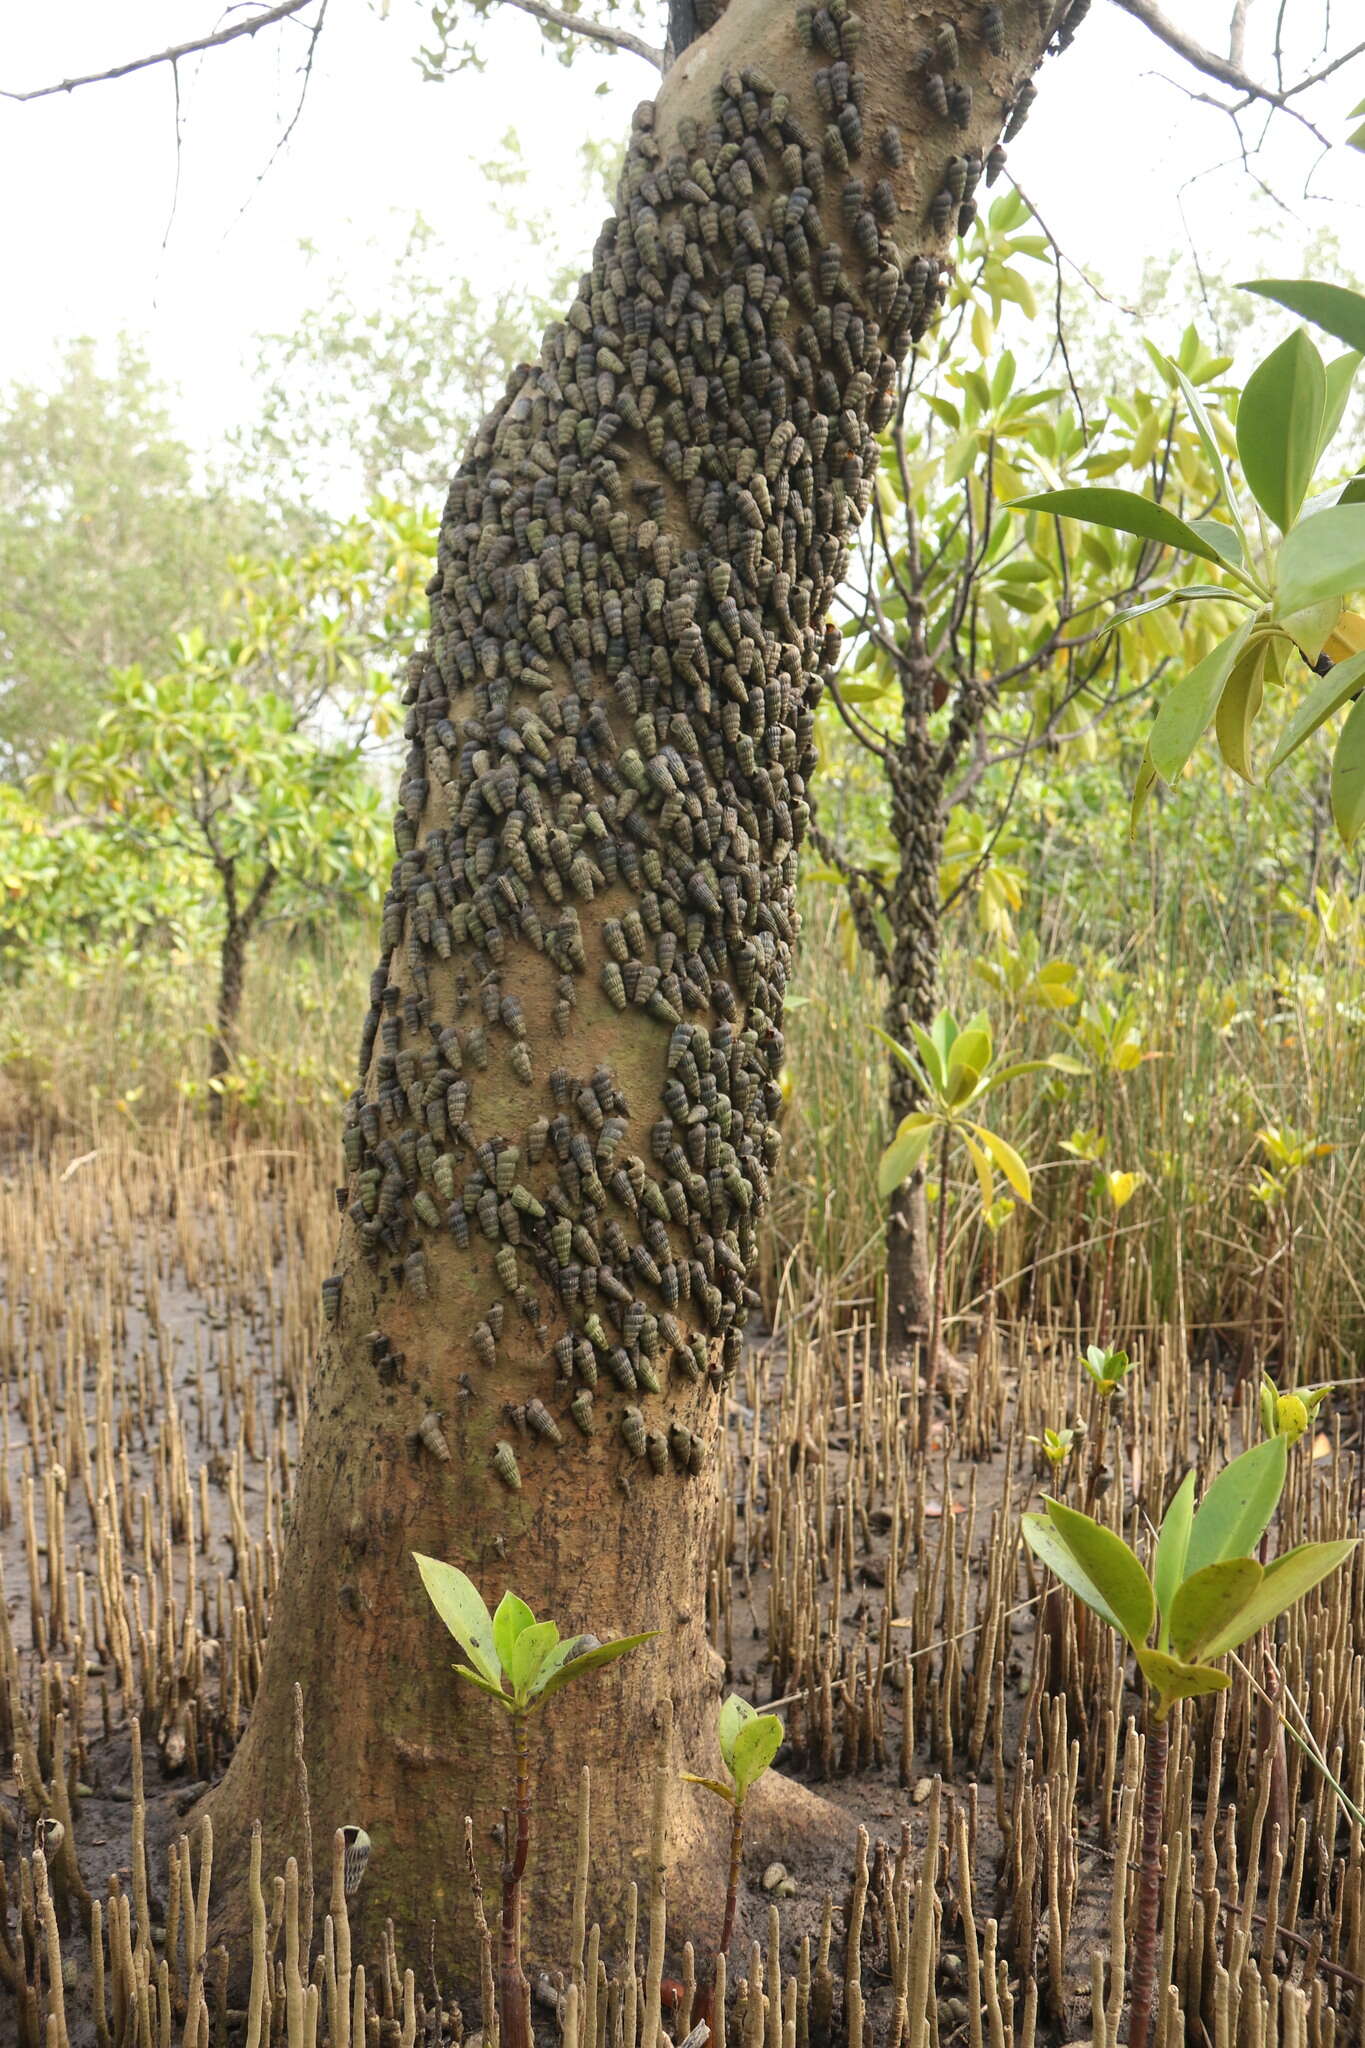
column 253, row 26
column 859, row 884
column 595, row 31
column 1227, row 70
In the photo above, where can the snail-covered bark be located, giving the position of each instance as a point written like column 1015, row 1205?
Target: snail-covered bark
column 564, row 1130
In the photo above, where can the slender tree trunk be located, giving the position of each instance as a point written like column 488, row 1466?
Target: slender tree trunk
column 917, row 828
column 231, row 977
column 564, row 1128
column 237, row 930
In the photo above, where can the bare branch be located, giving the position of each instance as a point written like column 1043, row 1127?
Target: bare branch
column 859, row 884
column 1228, row 70
column 595, row 31
column 250, row 27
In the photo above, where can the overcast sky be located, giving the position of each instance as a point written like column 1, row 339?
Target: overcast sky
column 106, row 226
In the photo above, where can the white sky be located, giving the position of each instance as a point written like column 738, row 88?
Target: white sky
column 94, row 236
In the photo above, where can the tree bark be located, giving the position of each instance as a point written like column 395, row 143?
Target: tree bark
column 917, row 829
column 237, row 930
column 565, row 1121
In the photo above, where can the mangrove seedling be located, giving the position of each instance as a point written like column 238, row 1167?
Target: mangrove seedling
column 1207, row 1595
column 748, row 1743
column 1289, row 1415
column 1107, row 1370
column 519, row 1662
column 1057, row 1445
column 954, row 1068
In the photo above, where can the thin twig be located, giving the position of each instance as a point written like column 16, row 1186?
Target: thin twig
column 281, row 12
column 595, row 31
column 1224, row 69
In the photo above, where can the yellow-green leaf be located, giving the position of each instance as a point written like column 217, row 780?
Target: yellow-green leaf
column 1235, row 1512
column 460, row 1605
column 1008, row 1161
column 1284, row 1582
column 1110, row 1566
column 756, row 1744
column 1171, row 1680
column 1207, row 1603
column 1348, row 775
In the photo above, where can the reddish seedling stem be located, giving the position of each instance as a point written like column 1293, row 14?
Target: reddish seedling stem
column 705, row 2005
column 514, row 1992
column 1149, row 1880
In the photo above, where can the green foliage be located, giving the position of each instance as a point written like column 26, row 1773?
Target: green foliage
column 1057, row 1445
column 519, row 1661
column 65, row 903
column 1294, row 595
column 232, row 784
column 108, row 542
column 1107, row 1369
column 955, row 1069
column 748, row 1742
column 1289, row 1415
column 197, row 766
column 1207, row 1592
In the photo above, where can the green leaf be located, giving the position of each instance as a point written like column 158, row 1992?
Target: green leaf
column 512, row 1616
column 1311, row 630
column 1046, row 1545
column 1125, row 510
column 985, row 1180
column 1279, row 426
column 529, row 1653
column 755, row 1746
column 905, row 1152
column 1237, row 709
column 1190, row 708
column 725, row 1792
column 1221, row 537
column 484, row 1684
column 1208, row 440
column 971, row 1048
column 1283, row 1582
column 1182, row 593
column 1056, row 1062
column 1172, row 1545
column 460, row 1605
column 1142, row 789
column 1207, row 1603
column 1323, row 556
column 554, row 1675
column 1235, row 1512
column 1329, row 306
column 1171, row 1680
column 1008, row 1161
column 899, row 1053
column 1111, row 1568
column 1348, row 775
column 732, row 1717
column 1340, row 377
column 1327, row 696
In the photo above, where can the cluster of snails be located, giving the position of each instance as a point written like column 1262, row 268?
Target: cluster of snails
column 628, row 640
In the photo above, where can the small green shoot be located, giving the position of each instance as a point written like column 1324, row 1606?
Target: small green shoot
column 1207, row 1594
column 1057, row 1445
column 519, row 1662
column 1107, row 1369
column 748, row 1742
